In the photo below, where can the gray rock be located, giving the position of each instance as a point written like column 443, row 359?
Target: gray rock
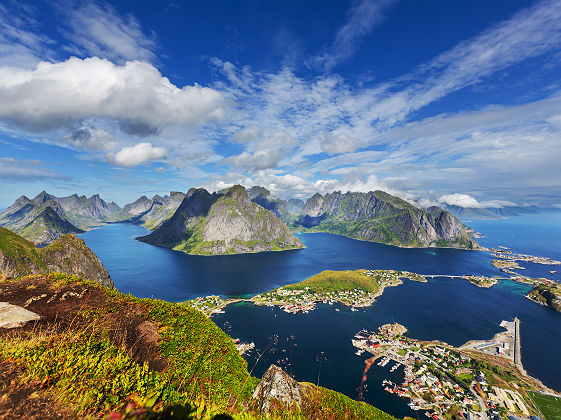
column 276, row 388
column 13, row 316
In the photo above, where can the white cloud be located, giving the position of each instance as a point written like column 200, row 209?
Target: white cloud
column 137, row 154
column 15, row 170
column 56, row 95
column 92, row 139
column 497, row 204
column 361, row 19
column 20, row 43
column 248, row 134
column 98, row 30
column 336, row 143
column 461, row 200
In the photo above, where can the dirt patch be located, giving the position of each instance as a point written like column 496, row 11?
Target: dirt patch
column 19, row 400
column 82, row 307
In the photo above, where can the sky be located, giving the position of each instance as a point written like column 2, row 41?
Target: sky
column 438, row 102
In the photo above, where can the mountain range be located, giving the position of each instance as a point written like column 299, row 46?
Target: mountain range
column 236, row 220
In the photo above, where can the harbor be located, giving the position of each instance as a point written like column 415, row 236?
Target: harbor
column 444, row 381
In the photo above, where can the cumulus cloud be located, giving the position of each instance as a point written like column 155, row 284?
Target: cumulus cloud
column 336, row 143
column 15, row 170
column 258, row 160
column 92, row 139
column 98, row 30
column 57, row 95
column 248, row 134
column 461, row 200
column 137, row 154
column 363, row 16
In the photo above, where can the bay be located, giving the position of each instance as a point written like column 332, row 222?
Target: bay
column 450, row 310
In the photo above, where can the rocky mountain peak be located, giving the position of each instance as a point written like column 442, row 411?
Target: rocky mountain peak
column 42, row 197
column 256, row 191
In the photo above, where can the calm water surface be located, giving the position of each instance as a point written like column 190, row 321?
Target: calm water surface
column 450, row 310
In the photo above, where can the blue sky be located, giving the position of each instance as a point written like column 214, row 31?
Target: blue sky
column 436, row 101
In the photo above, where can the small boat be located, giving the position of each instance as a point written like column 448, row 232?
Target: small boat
column 359, row 352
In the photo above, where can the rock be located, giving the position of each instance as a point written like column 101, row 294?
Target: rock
column 68, row 254
column 380, row 217
column 13, row 316
column 222, row 223
column 276, row 388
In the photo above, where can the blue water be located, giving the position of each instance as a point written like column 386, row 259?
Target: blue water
column 149, row 271
column 451, row 310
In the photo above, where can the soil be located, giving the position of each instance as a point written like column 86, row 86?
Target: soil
column 64, row 308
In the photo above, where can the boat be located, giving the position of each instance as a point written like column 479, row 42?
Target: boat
column 395, row 367
column 359, row 352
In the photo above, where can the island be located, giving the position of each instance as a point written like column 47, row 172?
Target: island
column 352, row 288
column 476, row 380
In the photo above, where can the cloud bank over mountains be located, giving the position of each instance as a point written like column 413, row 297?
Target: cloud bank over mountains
column 105, row 96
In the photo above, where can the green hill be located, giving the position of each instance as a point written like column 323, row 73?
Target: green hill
column 101, row 351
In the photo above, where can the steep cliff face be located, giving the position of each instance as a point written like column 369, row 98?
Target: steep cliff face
column 287, row 211
column 141, row 205
column 229, row 223
column 153, row 213
column 68, row 254
column 380, row 217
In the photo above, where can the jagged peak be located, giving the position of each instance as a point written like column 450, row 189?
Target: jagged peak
column 237, row 192
column 42, row 197
column 258, row 191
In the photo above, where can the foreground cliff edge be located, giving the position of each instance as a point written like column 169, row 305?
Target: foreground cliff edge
column 91, row 351
column 229, row 223
column 68, row 254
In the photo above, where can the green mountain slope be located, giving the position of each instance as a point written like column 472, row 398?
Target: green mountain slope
column 97, row 351
column 68, row 254
column 380, row 217
column 229, row 223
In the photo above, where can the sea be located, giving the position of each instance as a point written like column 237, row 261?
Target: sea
column 316, row 347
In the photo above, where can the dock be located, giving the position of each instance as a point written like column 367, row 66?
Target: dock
column 517, row 352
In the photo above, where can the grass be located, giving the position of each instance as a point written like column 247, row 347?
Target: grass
column 85, row 361
column 332, row 281
column 549, row 405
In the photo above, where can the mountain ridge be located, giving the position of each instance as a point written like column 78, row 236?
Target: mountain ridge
column 222, row 223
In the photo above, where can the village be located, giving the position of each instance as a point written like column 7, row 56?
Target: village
column 507, row 254
column 294, row 299
column 441, row 380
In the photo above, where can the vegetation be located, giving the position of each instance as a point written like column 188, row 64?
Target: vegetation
column 19, row 250
column 332, row 281
column 548, row 294
column 110, row 352
column 549, row 405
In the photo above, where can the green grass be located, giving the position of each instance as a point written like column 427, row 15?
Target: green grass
column 332, row 281
column 19, row 250
column 82, row 367
column 549, row 406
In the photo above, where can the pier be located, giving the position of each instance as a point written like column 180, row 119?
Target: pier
column 517, row 353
